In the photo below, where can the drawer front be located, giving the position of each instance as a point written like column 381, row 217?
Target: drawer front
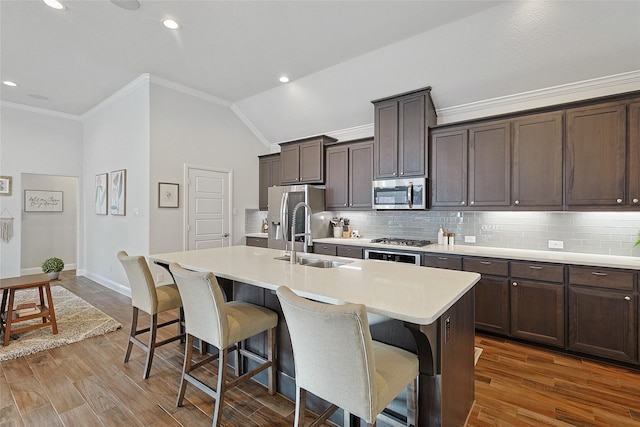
column 486, row 266
column 260, row 242
column 442, row 261
column 538, row 271
column 325, row 249
column 602, row 278
column 351, row 251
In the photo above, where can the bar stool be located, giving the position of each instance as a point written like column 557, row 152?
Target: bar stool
column 337, row 360
column 151, row 299
column 222, row 324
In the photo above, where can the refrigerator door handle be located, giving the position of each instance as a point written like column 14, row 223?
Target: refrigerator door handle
column 284, row 217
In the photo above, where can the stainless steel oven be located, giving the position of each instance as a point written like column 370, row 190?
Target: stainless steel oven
column 393, row 256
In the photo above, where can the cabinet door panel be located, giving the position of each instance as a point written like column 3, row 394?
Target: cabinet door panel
column 336, row 194
column 449, row 168
column 311, row 162
column 537, row 271
column 386, row 139
column 537, row 160
column 596, row 151
column 603, row 323
column 492, row 304
column 602, row 278
column 360, row 175
column 290, row 164
column 442, row 261
column 633, row 173
column 325, row 249
column 490, row 165
column 537, row 311
column 412, row 136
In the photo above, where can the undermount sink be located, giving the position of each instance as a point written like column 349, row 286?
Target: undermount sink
column 315, row 262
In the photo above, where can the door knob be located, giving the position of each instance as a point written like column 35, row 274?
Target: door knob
column 225, row 235
column 515, row 283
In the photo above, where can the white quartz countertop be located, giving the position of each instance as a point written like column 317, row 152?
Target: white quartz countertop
column 516, row 254
column 405, row 292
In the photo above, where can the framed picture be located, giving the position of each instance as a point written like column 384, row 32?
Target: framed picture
column 42, row 201
column 118, row 192
column 168, row 195
column 5, row 185
column 102, row 195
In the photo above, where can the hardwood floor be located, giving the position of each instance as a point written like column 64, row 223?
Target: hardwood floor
column 87, row 384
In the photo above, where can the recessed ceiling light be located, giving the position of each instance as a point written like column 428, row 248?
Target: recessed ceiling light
column 171, row 24
column 9, row 83
column 54, row 4
column 284, row 79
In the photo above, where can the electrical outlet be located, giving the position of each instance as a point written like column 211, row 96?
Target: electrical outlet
column 469, row 239
column 556, row 244
column 159, row 277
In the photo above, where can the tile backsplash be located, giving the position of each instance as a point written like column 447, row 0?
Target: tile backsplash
column 604, row 233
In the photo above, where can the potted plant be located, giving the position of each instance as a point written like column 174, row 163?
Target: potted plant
column 53, row 267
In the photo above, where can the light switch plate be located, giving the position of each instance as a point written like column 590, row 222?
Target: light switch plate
column 469, row 239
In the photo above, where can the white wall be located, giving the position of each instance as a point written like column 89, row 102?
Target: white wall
column 50, row 234
column 116, row 136
column 186, row 129
column 33, row 141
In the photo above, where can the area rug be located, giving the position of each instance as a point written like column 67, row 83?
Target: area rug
column 76, row 319
column 477, row 351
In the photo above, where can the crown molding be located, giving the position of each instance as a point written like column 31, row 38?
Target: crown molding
column 356, row 132
column 248, row 123
column 602, row 86
column 142, row 79
column 189, row 91
column 38, row 110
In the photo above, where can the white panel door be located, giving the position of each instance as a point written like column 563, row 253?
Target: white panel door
column 208, row 216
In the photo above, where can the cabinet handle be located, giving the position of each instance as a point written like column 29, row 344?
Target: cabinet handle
column 515, row 283
column 627, row 298
column 394, row 174
column 345, row 204
column 351, row 204
column 485, row 262
column 473, row 203
column 462, row 203
column 636, row 200
column 443, row 258
column 619, row 201
column 401, row 173
column 597, row 273
column 535, row 267
column 517, row 202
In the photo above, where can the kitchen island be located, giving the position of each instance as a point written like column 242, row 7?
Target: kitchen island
column 435, row 305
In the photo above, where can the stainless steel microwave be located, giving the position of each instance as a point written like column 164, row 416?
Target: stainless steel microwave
column 406, row 193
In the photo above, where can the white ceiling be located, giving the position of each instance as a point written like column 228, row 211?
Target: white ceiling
column 339, row 54
column 227, row 49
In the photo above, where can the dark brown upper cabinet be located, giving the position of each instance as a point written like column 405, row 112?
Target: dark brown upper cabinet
column 633, row 174
column 269, row 167
column 401, row 129
column 596, row 155
column 490, row 165
column 537, row 162
column 349, row 174
column 471, row 166
column 302, row 161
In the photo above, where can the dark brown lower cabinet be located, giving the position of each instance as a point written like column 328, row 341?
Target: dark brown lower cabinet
column 603, row 323
column 351, row 251
column 325, row 249
column 261, row 242
column 492, row 304
column 537, row 311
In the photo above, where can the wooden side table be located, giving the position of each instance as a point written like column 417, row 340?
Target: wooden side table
column 7, row 315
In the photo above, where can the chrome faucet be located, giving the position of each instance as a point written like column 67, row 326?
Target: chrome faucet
column 308, row 237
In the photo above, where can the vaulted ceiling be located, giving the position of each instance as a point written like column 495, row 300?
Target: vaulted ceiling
column 338, row 54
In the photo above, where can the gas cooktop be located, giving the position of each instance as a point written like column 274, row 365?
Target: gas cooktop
column 401, row 242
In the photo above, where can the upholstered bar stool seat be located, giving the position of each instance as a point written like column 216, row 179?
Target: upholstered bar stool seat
column 151, row 299
column 222, row 324
column 337, row 360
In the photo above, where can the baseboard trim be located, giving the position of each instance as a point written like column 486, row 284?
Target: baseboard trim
column 108, row 283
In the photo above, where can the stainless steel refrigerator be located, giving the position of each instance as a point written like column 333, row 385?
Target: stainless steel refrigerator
column 282, row 201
